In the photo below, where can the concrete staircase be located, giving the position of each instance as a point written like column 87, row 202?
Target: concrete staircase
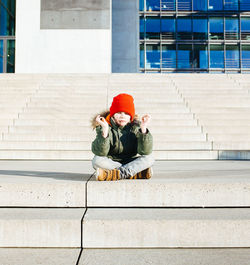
column 52, row 211
column 190, row 210
column 193, row 116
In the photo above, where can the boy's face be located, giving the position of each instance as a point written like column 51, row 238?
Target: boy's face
column 121, row 118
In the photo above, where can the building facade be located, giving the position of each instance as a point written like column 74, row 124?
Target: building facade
column 7, row 36
column 195, row 36
column 104, row 36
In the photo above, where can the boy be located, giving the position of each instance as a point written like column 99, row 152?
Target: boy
column 120, row 137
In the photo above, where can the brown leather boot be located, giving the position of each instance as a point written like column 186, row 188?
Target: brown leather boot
column 144, row 174
column 107, row 175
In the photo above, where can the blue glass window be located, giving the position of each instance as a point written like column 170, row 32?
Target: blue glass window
column 200, row 28
column 215, row 5
column 245, row 56
column 168, row 5
column 169, row 56
column 168, row 28
column 184, row 29
column 1, row 56
column 245, row 5
column 245, row 28
column 216, row 56
column 153, row 28
column 141, row 5
column 10, row 56
column 141, row 28
column 200, row 59
column 153, row 5
column 152, row 56
column 184, row 5
column 216, row 28
column 200, row 5
column 231, row 5
column 142, row 54
column 232, row 56
column 7, row 19
column 184, row 56
column 232, row 28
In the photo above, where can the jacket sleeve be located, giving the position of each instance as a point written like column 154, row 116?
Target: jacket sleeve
column 145, row 142
column 100, row 146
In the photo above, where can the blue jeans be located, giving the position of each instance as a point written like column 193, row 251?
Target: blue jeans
column 127, row 170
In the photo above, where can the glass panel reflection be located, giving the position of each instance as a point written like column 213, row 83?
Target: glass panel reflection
column 184, row 56
column 1, row 56
column 245, row 5
column 200, row 59
column 153, row 28
column 215, row 5
column 168, row 5
column 142, row 58
column 141, row 5
column 169, row 56
column 7, row 18
column 153, row 5
column 168, row 28
column 245, row 28
column 200, row 28
column 184, row 5
column 10, row 56
column 232, row 56
column 216, row 56
column 141, row 28
column 231, row 5
column 216, row 25
column 200, row 5
column 152, row 56
column 245, row 63
column 184, row 29
column 232, row 28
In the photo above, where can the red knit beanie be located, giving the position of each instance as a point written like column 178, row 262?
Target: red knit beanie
column 123, row 103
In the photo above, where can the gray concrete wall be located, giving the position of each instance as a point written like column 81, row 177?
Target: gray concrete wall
column 125, row 36
column 77, row 14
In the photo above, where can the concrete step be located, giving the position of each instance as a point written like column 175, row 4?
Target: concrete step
column 44, row 183
column 25, row 227
column 41, row 256
column 42, row 136
column 227, row 129
column 234, row 137
column 86, row 129
column 223, row 122
column 36, row 145
column 178, row 184
column 145, row 228
column 224, row 110
column 58, row 154
column 186, row 155
column 86, row 122
column 32, row 154
column 86, row 145
column 6, row 122
column 234, row 155
column 185, row 145
column 82, row 106
column 3, row 129
column 87, row 116
column 162, row 256
column 240, row 145
column 222, row 116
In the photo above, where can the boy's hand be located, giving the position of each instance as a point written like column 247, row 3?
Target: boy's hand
column 144, row 122
column 105, row 127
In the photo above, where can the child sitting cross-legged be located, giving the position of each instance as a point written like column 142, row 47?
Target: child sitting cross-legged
column 123, row 144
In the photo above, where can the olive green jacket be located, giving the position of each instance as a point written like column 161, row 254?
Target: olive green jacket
column 122, row 143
